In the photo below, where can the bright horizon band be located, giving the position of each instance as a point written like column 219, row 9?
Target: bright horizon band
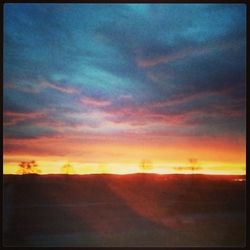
column 220, row 156
column 56, row 167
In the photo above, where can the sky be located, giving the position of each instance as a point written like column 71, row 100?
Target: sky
column 105, row 86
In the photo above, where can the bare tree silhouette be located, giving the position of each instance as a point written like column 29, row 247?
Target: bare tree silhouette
column 193, row 162
column 146, row 165
column 28, row 167
column 193, row 165
column 68, row 169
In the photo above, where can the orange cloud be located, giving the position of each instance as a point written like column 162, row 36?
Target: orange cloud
column 36, row 88
column 130, row 148
column 12, row 118
column 94, row 102
column 63, row 89
column 150, row 62
column 180, row 99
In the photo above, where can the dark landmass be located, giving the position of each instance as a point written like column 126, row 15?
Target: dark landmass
column 124, row 210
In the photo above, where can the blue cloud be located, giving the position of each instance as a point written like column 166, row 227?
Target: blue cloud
column 150, row 52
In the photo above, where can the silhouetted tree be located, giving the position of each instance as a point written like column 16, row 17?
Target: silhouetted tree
column 194, row 164
column 68, row 169
column 146, row 165
column 28, row 167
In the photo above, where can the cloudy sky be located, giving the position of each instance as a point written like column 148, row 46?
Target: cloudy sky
column 114, row 84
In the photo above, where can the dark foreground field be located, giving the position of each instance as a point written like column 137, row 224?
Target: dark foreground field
column 128, row 210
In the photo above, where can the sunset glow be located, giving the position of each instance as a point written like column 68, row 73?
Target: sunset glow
column 104, row 88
